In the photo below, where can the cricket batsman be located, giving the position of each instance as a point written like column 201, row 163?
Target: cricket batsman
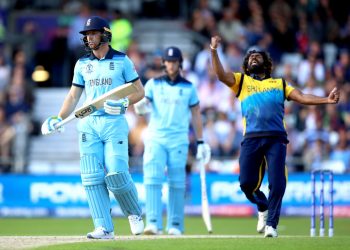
column 103, row 136
column 172, row 102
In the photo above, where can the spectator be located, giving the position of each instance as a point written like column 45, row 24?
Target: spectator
column 312, row 65
column 7, row 134
column 229, row 27
column 154, row 68
column 81, row 11
column 5, row 71
column 312, row 88
column 122, row 31
column 341, row 152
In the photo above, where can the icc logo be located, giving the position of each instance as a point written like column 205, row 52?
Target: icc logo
column 89, row 68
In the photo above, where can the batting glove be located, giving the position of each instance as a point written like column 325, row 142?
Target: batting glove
column 118, row 107
column 48, row 126
column 203, row 152
column 142, row 107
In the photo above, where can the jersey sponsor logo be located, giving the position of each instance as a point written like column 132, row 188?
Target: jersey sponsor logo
column 88, row 110
column 89, row 68
column 100, row 82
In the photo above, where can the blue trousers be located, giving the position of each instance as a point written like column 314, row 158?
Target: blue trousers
column 257, row 155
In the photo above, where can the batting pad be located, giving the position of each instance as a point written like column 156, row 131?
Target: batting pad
column 154, row 205
column 92, row 176
column 176, row 206
column 124, row 190
column 176, row 203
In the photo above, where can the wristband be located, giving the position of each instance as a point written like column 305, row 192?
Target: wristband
column 211, row 47
column 200, row 141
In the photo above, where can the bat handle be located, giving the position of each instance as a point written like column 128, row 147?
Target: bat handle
column 65, row 121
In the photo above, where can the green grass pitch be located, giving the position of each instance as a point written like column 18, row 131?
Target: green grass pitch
column 228, row 233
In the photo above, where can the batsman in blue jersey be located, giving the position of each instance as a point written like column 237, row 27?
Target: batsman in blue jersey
column 103, row 136
column 265, row 138
column 172, row 102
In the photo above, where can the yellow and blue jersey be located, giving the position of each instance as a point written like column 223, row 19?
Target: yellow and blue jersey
column 262, row 104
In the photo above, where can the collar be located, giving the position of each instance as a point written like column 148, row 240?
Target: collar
column 256, row 77
column 109, row 54
column 177, row 79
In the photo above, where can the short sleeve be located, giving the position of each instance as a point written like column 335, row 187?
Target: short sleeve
column 194, row 100
column 236, row 87
column 78, row 78
column 149, row 89
column 289, row 89
column 129, row 72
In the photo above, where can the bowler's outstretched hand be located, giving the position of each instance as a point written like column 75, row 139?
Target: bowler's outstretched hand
column 334, row 96
column 215, row 41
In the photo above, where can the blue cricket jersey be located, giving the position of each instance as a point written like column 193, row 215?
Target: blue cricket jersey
column 171, row 109
column 98, row 76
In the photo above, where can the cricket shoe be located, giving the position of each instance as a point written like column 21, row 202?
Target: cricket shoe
column 262, row 217
column 152, row 229
column 136, row 224
column 100, row 233
column 270, row 232
column 174, row 231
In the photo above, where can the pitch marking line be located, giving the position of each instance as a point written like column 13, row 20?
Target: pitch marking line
column 144, row 237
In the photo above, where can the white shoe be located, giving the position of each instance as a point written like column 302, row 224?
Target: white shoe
column 152, row 229
column 136, row 224
column 262, row 217
column 100, row 233
column 174, row 231
column 270, row 232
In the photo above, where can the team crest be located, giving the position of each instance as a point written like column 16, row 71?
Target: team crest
column 170, row 52
column 180, row 92
column 111, row 65
column 89, row 68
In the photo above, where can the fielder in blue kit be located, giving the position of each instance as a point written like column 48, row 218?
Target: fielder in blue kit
column 265, row 138
column 172, row 102
column 103, row 136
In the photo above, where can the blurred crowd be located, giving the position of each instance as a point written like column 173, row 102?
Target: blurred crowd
column 309, row 41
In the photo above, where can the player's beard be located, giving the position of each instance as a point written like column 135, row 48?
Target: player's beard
column 256, row 69
column 93, row 46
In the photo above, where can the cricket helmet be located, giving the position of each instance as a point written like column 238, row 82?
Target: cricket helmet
column 172, row 54
column 99, row 24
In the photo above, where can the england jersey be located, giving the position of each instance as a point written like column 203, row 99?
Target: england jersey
column 98, row 76
column 171, row 109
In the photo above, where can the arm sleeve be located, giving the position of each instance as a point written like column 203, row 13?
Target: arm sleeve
column 289, row 89
column 236, row 87
column 78, row 79
column 148, row 89
column 194, row 100
column 130, row 74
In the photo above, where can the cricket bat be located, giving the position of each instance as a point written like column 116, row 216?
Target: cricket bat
column 89, row 108
column 204, row 199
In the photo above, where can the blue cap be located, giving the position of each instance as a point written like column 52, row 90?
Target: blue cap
column 95, row 23
column 172, row 54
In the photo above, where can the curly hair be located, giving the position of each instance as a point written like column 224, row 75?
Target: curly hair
column 267, row 62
